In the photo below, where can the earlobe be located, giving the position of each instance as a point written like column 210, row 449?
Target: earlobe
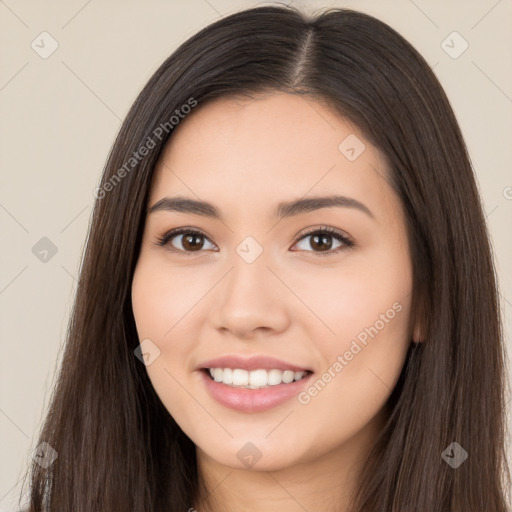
column 417, row 335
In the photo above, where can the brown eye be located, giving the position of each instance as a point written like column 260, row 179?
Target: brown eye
column 321, row 241
column 190, row 240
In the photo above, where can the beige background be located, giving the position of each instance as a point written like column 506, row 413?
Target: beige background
column 59, row 117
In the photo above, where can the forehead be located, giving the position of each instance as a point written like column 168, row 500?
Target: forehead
column 260, row 151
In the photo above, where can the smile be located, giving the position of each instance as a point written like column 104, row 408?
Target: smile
column 247, row 399
column 255, row 379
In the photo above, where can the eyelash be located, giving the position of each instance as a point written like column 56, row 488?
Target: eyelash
column 324, row 230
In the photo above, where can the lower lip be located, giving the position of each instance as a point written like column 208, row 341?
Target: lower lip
column 253, row 400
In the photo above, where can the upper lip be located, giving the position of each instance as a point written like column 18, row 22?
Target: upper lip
column 251, row 363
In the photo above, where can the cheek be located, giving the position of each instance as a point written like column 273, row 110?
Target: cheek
column 364, row 358
column 162, row 298
column 158, row 306
column 361, row 366
column 160, row 302
column 356, row 297
column 366, row 306
column 165, row 303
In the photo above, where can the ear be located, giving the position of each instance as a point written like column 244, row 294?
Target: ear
column 418, row 319
column 418, row 333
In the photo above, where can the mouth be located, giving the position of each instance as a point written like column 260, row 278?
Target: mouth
column 255, row 379
column 242, row 396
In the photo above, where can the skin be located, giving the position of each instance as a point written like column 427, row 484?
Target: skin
column 294, row 302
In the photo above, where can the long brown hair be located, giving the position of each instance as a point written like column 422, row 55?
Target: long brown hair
column 118, row 447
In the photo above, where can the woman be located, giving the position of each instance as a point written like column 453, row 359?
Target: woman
column 223, row 354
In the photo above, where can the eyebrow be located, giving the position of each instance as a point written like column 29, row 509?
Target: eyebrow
column 282, row 210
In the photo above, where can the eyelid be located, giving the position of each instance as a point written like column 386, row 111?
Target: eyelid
column 328, row 229
column 169, row 235
column 346, row 241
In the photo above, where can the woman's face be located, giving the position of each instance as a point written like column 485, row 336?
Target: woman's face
column 262, row 279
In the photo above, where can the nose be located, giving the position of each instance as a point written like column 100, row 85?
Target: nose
column 249, row 300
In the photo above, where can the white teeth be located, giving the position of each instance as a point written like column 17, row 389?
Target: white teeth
column 275, row 377
column 288, row 376
column 258, row 378
column 227, row 376
column 240, row 377
column 254, row 379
